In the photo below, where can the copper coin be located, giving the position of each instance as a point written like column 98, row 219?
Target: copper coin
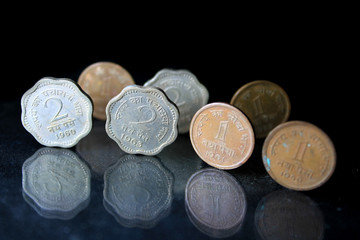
column 102, row 81
column 265, row 104
column 222, row 136
column 298, row 155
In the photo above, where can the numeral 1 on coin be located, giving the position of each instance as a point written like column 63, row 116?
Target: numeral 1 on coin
column 222, row 130
column 257, row 106
column 300, row 151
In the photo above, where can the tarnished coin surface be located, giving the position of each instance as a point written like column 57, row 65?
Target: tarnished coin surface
column 139, row 190
column 222, row 136
column 103, row 81
column 298, row 155
column 184, row 89
column 215, row 202
column 56, row 180
column 284, row 214
column 265, row 103
column 142, row 120
column 56, row 112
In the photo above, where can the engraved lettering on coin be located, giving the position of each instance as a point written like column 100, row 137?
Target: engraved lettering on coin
column 138, row 191
column 103, row 81
column 283, row 214
column 56, row 112
column 215, row 202
column 298, row 155
column 265, row 104
column 57, row 182
column 184, row 89
column 142, row 120
column 222, row 136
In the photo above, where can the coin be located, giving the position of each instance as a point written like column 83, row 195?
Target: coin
column 184, row 89
column 265, row 104
column 222, row 136
column 56, row 180
column 138, row 191
column 103, row 81
column 298, row 155
column 215, row 202
column 56, row 112
column 284, row 214
column 142, row 120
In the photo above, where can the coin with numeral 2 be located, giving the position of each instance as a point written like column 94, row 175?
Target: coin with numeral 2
column 56, row 112
column 141, row 120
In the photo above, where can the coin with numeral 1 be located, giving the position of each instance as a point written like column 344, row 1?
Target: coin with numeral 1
column 298, row 155
column 184, row 89
column 141, row 120
column 222, row 135
column 56, row 112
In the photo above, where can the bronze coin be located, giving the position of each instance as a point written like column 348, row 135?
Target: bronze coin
column 298, row 155
column 265, row 104
column 222, row 136
column 102, row 81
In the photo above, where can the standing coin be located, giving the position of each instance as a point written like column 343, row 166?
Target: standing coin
column 102, row 81
column 56, row 112
column 141, row 120
column 298, row 155
column 183, row 88
column 222, row 136
column 265, row 104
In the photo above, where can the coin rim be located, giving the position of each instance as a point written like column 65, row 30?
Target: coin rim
column 282, row 126
column 256, row 82
column 251, row 131
column 173, row 109
column 77, row 89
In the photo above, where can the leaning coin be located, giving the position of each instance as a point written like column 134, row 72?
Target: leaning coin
column 298, row 155
column 265, row 103
column 103, row 81
column 141, row 120
column 56, row 112
column 215, row 202
column 222, row 136
column 56, row 180
column 184, row 89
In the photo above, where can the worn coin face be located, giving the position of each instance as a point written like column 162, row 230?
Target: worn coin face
column 215, row 202
column 298, row 155
column 103, row 81
column 265, row 104
column 283, row 214
column 184, row 89
column 141, row 120
column 56, row 179
column 56, row 112
column 222, row 136
column 139, row 190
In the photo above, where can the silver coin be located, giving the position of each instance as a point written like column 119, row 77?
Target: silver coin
column 56, row 180
column 215, row 202
column 184, row 89
column 141, row 120
column 139, row 190
column 56, row 112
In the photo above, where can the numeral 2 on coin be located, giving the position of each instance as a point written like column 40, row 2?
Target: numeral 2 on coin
column 59, row 104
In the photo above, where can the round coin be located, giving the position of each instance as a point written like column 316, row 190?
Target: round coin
column 265, row 104
column 222, row 136
column 103, row 81
column 298, row 155
column 215, row 202
column 184, row 89
column 56, row 179
column 142, row 120
column 56, row 112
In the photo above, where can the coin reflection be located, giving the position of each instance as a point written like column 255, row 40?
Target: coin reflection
column 286, row 215
column 138, row 191
column 56, row 183
column 98, row 150
column 215, row 203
